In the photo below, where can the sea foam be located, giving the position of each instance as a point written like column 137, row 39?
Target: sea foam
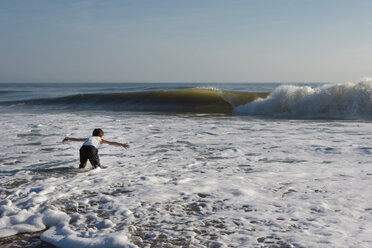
column 333, row 101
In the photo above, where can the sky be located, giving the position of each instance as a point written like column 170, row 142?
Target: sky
column 185, row 40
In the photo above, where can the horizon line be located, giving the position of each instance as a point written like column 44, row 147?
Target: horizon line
column 170, row 82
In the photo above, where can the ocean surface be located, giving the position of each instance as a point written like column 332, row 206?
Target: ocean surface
column 210, row 165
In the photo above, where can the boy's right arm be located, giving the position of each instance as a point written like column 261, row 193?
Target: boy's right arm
column 72, row 139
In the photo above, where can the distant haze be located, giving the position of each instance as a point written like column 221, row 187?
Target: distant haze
column 185, row 41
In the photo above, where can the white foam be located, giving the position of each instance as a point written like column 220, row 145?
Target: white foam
column 335, row 101
column 65, row 238
column 188, row 181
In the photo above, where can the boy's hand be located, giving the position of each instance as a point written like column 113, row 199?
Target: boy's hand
column 125, row 145
column 65, row 139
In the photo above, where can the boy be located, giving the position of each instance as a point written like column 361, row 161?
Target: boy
column 89, row 150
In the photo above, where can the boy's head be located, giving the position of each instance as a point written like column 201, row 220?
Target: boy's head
column 98, row 132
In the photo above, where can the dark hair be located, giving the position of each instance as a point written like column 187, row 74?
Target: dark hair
column 98, row 132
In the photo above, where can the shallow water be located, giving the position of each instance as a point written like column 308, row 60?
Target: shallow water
column 188, row 180
column 24, row 240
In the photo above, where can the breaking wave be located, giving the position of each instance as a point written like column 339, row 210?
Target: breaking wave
column 348, row 101
column 195, row 100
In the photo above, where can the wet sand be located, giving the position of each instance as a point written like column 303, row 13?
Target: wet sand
column 25, row 240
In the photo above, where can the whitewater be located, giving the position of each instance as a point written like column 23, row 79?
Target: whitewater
column 340, row 101
column 289, row 169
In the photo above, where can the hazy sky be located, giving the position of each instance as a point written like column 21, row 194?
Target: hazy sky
column 185, row 41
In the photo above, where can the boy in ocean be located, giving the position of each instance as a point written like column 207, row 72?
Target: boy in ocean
column 89, row 149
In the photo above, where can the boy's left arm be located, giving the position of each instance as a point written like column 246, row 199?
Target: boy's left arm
column 72, row 139
column 125, row 145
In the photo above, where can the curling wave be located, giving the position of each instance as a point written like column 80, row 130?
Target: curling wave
column 348, row 101
column 195, row 100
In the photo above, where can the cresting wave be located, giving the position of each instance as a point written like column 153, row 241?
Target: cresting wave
column 196, row 100
column 348, row 101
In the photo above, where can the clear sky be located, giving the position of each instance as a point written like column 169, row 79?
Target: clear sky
column 185, row 40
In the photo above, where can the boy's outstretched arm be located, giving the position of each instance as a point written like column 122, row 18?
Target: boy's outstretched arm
column 125, row 145
column 72, row 139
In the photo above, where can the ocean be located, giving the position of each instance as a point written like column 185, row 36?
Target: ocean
column 210, row 165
